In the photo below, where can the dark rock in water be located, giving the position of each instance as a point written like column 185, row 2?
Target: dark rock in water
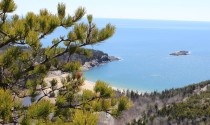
column 180, row 53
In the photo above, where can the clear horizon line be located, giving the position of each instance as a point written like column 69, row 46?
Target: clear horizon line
column 152, row 19
column 181, row 20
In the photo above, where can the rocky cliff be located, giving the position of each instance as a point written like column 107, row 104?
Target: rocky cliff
column 97, row 58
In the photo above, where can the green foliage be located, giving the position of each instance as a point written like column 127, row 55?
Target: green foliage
column 185, row 105
column 25, row 121
column 106, row 32
column 85, row 118
column 41, row 110
column 106, row 104
column 60, row 100
column 7, row 6
column 67, row 22
column 97, row 106
column 79, row 13
column 87, row 95
column 40, row 69
column 71, row 66
column 90, row 18
column 123, row 104
column 23, row 69
column 61, row 10
column 6, row 104
column 32, row 39
column 196, row 106
column 53, row 82
column 103, row 89
column 7, row 58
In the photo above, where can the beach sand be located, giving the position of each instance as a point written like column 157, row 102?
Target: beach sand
column 89, row 85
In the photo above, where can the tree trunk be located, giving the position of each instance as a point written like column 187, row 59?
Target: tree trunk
column 1, row 84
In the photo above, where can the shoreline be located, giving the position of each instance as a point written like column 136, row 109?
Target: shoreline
column 89, row 85
column 96, row 63
column 58, row 75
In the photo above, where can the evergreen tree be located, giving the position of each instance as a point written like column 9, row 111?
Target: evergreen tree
column 22, row 71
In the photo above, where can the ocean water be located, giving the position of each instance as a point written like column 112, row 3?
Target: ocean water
column 144, row 47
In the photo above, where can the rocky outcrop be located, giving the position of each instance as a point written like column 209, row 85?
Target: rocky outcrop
column 97, row 58
column 180, row 53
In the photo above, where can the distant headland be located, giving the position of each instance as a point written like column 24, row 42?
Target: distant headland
column 98, row 58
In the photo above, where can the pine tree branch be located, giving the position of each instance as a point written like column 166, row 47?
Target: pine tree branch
column 48, row 59
column 46, row 94
column 3, row 14
column 78, row 105
column 56, row 44
column 7, row 42
column 89, row 33
column 108, row 112
column 2, row 32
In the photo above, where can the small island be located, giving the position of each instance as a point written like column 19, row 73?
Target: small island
column 180, row 53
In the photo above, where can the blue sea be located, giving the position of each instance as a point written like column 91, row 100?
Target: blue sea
column 144, row 47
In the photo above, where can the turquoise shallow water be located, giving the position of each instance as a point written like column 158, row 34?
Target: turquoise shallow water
column 144, row 47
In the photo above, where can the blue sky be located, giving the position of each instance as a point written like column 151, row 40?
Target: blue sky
column 194, row 10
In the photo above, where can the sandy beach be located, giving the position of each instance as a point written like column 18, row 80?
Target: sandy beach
column 89, row 85
column 59, row 76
